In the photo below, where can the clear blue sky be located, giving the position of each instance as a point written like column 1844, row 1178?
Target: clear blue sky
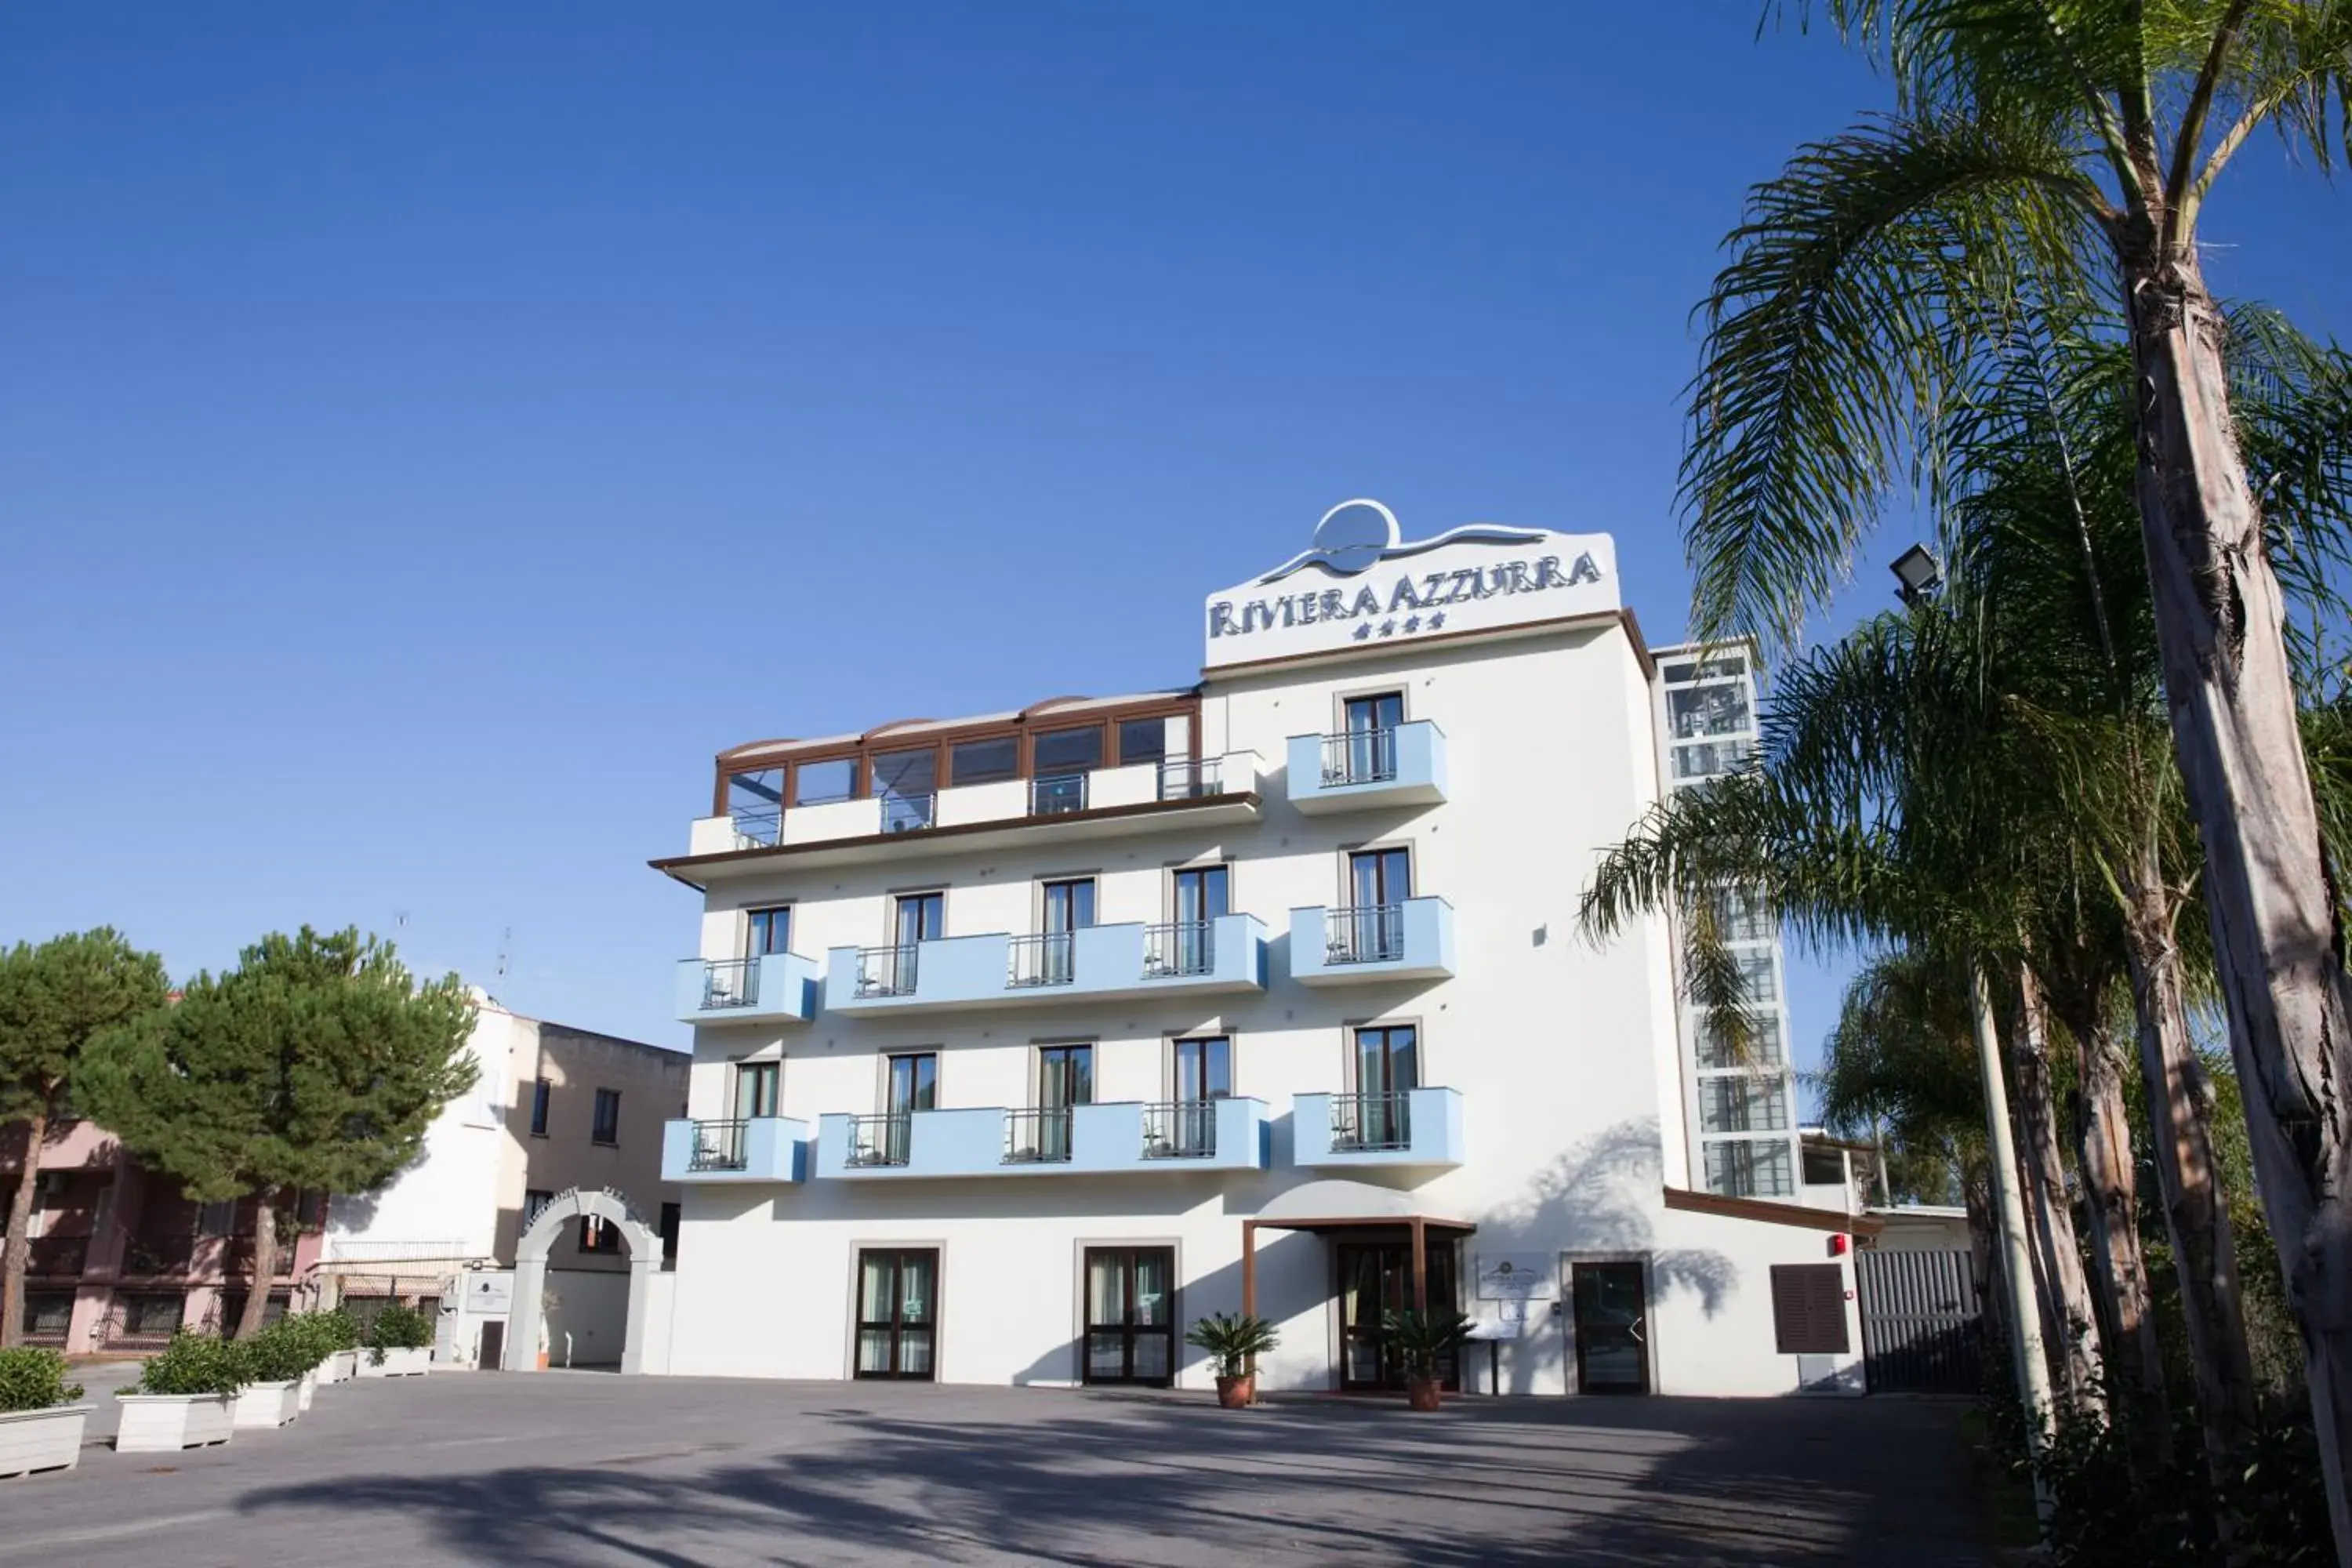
column 428, row 432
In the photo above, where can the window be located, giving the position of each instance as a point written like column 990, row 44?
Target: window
column 539, row 1093
column 907, row 783
column 755, row 1089
column 897, row 1311
column 1823, row 1167
column 1764, row 1045
column 47, row 1314
column 767, row 930
column 534, row 1204
column 756, row 801
column 913, row 1084
column 989, row 761
column 1069, row 750
column 152, row 1316
column 1066, row 1079
column 1739, row 1104
column 921, row 917
column 1204, row 1068
column 1142, row 741
column 669, row 1219
column 822, row 783
column 1809, row 1309
column 1201, row 893
column 1130, row 1315
column 1748, row 1168
column 598, row 1235
column 608, row 1126
column 1706, row 711
column 1050, row 958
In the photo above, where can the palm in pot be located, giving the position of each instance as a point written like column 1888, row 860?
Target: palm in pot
column 1231, row 1341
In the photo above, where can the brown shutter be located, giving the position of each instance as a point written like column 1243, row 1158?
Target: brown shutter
column 1809, row 1309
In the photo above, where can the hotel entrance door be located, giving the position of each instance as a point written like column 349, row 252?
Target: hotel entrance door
column 1375, row 1279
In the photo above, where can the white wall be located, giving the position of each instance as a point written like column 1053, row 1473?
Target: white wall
column 593, row 1307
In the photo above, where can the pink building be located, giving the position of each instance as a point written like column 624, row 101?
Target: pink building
column 120, row 1257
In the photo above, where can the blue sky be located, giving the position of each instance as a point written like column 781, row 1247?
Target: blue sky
column 428, row 432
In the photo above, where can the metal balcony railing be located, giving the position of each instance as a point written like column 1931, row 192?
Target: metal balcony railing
column 1037, row 1137
column 886, row 971
column 1182, row 778
column 1052, row 794
column 1182, row 947
column 1367, row 1123
column 1181, row 1130
column 1372, row 933
column 758, row 828
column 880, row 1139
column 730, row 983
column 1360, row 756
column 905, row 813
column 718, row 1146
column 1050, row 959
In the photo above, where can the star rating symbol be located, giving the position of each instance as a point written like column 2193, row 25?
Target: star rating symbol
column 1412, row 623
column 1437, row 620
column 1363, row 631
column 1388, row 629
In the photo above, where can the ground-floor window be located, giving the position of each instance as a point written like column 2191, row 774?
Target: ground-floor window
column 149, row 1315
column 897, row 1311
column 48, row 1316
column 1130, row 1315
column 1375, row 1279
column 1612, row 1327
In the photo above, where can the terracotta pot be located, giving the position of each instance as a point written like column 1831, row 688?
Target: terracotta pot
column 1424, row 1392
column 542, row 1361
column 1236, row 1393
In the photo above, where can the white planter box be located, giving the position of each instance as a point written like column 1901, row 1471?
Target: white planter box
column 303, row 1390
column 397, row 1363
column 167, row 1423
column 41, row 1440
column 267, row 1405
column 339, row 1367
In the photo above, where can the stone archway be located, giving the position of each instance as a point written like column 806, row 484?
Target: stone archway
column 521, row 1353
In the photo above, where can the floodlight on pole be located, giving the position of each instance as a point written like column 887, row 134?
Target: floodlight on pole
column 1916, row 576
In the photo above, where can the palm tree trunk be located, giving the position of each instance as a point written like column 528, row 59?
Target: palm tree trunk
column 2015, row 1250
column 265, row 1264
column 2180, row 1129
column 2103, row 1157
column 2075, row 1350
column 2219, row 622
column 19, row 1253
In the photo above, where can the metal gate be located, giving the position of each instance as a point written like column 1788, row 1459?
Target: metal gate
column 1921, row 1321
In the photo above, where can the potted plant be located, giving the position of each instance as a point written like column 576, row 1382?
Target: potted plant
column 1231, row 1341
column 183, row 1396
column 40, row 1423
column 275, row 1362
column 339, row 1332
column 400, row 1344
column 1422, row 1343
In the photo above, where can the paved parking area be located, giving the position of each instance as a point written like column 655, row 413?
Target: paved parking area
column 584, row 1468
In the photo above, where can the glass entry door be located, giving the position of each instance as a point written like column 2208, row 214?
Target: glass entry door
column 1370, row 752
column 1201, row 894
column 1611, row 1328
column 1379, row 882
column 1375, row 1279
column 897, row 1311
column 1130, row 1315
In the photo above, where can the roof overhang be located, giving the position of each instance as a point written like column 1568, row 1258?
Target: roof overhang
column 1765, row 1211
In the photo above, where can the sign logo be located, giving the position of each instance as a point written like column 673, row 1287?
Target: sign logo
column 1352, row 586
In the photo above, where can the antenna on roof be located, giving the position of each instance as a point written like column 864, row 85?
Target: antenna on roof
column 505, row 948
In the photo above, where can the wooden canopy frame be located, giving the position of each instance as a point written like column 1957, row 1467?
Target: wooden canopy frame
column 1418, row 1226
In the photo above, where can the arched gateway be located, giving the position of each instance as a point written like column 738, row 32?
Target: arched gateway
column 521, row 1353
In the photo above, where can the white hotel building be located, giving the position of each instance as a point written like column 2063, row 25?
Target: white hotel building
column 1022, row 1041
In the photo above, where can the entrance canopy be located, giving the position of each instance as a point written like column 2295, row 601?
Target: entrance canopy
column 1337, row 1206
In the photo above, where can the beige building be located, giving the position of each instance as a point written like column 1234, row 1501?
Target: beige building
column 554, row 1107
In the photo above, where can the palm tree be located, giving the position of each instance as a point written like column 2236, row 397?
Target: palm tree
column 2042, row 148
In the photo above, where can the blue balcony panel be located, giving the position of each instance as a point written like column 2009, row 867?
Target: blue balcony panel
column 774, row 988
column 1340, row 946
column 1367, row 769
column 1227, row 954
column 758, row 1149
column 1123, row 1138
column 1338, row 1131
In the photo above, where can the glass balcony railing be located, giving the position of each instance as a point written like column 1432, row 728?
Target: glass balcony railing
column 1056, row 795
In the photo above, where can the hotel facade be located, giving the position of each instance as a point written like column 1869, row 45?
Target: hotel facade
column 1025, row 1040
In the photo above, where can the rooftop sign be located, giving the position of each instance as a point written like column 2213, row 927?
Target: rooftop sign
column 1359, row 585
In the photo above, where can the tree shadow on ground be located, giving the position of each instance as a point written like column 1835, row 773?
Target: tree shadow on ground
column 1133, row 1478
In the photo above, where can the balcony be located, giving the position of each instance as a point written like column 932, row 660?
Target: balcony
column 776, row 987
column 1418, row 1127
column 759, row 1149
column 1081, row 1140
column 1143, row 797
column 1411, row 941
column 1368, row 768
column 1095, row 963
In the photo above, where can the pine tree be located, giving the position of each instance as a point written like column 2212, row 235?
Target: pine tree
column 53, row 999
column 316, row 1065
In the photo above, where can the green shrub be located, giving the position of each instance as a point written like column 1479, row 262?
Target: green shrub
column 281, row 1352
column 1231, row 1341
column 195, row 1363
column 35, row 1380
column 321, row 1334
column 398, row 1328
